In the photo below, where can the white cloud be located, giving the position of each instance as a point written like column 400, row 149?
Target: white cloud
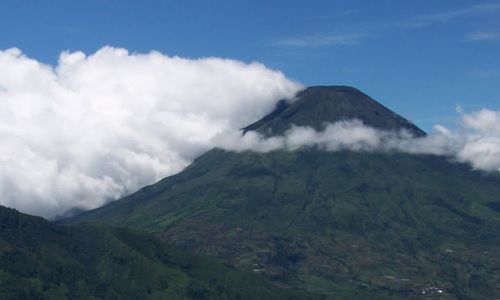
column 483, row 121
column 349, row 39
column 480, row 144
column 476, row 143
column 450, row 15
column 480, row 36
column 96, row 127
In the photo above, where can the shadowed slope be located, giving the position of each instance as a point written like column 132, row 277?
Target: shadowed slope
column 39, row 260
column 316, row 105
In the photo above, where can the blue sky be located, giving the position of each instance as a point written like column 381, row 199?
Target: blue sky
column 420, row 58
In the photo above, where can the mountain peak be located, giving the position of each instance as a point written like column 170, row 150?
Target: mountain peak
column 317, row 105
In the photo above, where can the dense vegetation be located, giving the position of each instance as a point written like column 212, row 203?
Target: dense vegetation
column 39, row 260
column 343, row 223
column 383, row 222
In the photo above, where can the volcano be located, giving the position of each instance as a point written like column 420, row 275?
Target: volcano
column 344, row 224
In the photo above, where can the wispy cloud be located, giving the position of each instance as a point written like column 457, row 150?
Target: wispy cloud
column 483, row 36
column 447, row 16
column 491, row 73
column 347, row 70
column 321, row 40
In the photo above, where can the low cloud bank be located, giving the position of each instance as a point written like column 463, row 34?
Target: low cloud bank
column 97, row 127
column 477, row 142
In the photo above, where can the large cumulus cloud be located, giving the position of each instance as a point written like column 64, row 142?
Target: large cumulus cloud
column 96, row 127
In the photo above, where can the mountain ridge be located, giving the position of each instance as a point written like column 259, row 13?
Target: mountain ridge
column 342, row 223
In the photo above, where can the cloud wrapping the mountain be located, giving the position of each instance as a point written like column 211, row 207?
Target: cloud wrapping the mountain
column 477, row 142
column 351, row 135
column 94, row 128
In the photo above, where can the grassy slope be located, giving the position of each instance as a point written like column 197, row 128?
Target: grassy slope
column 393, row 223
column 39, row 260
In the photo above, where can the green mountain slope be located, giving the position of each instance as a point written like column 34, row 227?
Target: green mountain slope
column 344, row 224
column 39, row 260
